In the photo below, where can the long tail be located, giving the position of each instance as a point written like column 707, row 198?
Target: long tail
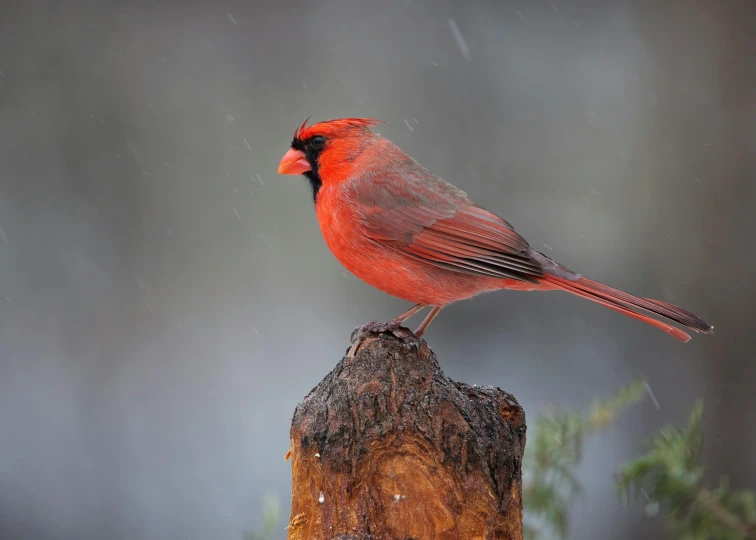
column 632, row 306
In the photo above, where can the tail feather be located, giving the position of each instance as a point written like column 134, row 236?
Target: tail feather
column 627, row 304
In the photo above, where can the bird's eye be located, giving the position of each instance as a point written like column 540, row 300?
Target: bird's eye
column 317, row 141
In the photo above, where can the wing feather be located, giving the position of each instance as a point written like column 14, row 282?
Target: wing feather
column 418, row 214
column 470, row 240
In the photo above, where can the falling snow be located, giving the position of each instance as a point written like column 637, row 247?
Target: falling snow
column 264, row 239
column 459, row 39
column 651, row 395
column 132, row 147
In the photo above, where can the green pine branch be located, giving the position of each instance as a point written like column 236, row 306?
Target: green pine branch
column 554, row 450
column 670, row 476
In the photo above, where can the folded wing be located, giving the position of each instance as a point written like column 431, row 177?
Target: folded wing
column 467, row 239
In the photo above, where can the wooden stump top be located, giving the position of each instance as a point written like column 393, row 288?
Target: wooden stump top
column 387, row 447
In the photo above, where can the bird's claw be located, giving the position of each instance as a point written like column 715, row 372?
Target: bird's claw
column 375, row 327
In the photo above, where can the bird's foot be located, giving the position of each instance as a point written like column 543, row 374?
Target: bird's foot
column 374, row 327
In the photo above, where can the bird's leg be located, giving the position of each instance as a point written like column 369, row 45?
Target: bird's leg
column 407, row 314
column 393, row 324
column 429, row 319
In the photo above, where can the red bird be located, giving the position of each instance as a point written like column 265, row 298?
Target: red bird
column 411, row 234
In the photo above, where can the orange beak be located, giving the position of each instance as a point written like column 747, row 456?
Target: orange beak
column 294, row 162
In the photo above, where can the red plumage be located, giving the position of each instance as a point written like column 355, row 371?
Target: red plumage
column 409, row 233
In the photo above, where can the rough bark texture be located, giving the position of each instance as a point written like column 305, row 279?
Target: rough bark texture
column 388, row 448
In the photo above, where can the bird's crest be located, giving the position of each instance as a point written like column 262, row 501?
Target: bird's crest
column 337, row 125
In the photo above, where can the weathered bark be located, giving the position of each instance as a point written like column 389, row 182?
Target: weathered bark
column 387, row 447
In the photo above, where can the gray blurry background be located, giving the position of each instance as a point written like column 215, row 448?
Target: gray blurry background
column 166, row 299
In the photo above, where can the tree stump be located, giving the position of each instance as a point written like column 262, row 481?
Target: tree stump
column 386, row 447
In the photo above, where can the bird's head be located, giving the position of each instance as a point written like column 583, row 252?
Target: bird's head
column 326, row 152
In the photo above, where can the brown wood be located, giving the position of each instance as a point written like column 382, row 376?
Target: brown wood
column 386, row 447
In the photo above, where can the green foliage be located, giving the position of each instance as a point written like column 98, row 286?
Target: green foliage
column 554, row 450
column 271, row 510
column 670, row 476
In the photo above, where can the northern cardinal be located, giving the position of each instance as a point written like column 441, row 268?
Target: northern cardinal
column 411, row 234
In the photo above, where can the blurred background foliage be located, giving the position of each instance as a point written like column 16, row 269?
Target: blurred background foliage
column 669, row 476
